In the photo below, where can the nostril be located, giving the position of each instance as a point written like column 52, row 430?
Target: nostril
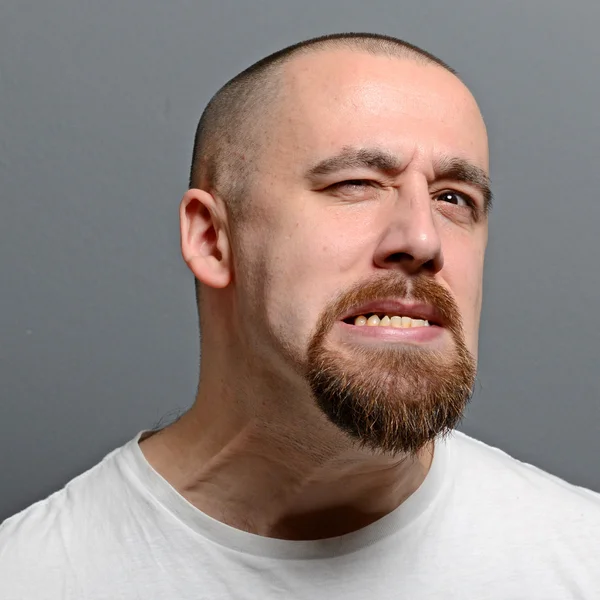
column 399, row 257
column 412, row 264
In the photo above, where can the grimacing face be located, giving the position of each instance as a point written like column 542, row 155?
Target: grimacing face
column 355, row 211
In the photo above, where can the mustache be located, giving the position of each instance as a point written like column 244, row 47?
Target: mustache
column 419, row 288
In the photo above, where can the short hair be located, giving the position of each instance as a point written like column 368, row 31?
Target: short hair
column 230, row 123
column 229, row 132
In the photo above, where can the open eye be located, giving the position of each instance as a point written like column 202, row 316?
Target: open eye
column 453, row 197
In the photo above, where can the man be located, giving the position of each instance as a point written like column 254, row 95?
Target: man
column 336, row 226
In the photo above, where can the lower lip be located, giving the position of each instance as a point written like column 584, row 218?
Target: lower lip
column 393, row 334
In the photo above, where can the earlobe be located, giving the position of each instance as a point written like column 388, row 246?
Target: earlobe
column 204, row 238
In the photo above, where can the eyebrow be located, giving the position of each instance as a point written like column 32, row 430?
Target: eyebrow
column 449, row 168
column 352, row 158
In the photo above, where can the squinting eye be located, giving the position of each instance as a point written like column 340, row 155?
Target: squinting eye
column 454, row 198
column 352, row 183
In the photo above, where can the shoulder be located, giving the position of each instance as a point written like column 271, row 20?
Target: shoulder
column 523, row 520
column 39, row 545
column 516, row 484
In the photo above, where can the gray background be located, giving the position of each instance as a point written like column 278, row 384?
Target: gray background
column 99, row 101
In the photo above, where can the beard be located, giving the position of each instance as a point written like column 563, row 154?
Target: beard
column 392, row 399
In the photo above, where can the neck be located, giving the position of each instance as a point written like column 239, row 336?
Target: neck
column 260, row 464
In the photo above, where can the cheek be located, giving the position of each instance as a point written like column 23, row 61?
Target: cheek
column 309, row 264
column 463, row 273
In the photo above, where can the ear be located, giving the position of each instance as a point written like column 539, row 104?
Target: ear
column 204, row 239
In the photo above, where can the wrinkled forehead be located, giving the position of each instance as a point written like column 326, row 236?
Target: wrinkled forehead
column 344, row 98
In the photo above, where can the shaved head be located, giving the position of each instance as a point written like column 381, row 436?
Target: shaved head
column 231, row 129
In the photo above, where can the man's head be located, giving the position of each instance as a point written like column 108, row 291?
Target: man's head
column 345, row 178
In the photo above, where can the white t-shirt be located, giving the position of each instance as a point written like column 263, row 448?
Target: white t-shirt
column 482, row 526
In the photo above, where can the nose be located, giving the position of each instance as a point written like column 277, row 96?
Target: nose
column 411, row 240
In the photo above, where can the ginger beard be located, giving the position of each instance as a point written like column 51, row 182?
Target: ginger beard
column 394, row 398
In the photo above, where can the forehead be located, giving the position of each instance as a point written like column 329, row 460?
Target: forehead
column 345, row 98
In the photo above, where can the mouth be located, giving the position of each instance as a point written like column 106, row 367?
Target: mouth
column 394, row 314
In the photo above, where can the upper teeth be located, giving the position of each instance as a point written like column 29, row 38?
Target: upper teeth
column 387, row 321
